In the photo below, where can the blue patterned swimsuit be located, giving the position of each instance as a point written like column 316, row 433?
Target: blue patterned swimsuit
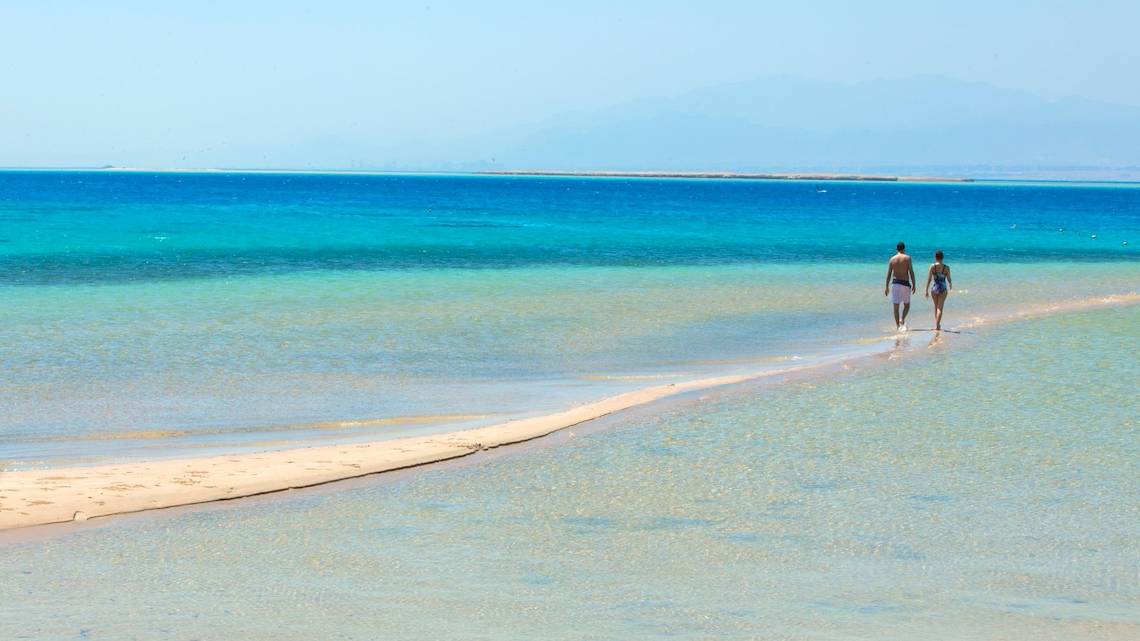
column 939, row 284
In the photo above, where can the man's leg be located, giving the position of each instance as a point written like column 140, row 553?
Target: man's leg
column 906, row 310
column 896, row 308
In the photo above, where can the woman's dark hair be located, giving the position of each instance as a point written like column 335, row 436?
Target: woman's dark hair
column 938, row 255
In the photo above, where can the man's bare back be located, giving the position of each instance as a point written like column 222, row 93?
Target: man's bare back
column 900, row 267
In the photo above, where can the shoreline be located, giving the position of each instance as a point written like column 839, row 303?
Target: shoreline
column 75, row 494
column 1013, row 177
column 722, row 175
column 833, row 368
column 813, row 176
column 78, row 494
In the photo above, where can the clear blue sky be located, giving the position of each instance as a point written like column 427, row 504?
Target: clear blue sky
column 187, row 83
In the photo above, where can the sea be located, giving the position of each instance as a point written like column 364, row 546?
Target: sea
column 145, row 315
column 982, row 485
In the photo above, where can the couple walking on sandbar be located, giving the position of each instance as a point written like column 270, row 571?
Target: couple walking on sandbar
column 901, row 283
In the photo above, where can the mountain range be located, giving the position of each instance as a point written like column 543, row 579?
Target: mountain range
column 784, row 123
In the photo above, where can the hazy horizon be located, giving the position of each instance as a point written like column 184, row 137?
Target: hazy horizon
column 898, row 87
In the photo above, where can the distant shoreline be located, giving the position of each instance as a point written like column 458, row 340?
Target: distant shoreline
column 712, row 175
column 722, row 175
column 726, row 174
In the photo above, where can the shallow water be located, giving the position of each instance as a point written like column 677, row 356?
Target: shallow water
column 164, row 314
column 985, row 489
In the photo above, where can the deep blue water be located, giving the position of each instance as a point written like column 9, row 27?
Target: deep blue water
column 82, row 227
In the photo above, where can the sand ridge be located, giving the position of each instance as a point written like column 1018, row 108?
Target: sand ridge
column 39, row 497
column 57, row 495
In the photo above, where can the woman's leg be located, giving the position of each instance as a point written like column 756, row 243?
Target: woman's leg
column 939, row 300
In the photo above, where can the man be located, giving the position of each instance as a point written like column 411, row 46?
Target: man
column 900, row 284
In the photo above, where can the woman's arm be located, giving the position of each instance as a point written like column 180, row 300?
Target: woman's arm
column 949, row 283
column 929, row 275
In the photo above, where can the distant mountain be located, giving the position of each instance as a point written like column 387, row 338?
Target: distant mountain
column 787, row 123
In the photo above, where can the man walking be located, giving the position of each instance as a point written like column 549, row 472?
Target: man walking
column 900, row 284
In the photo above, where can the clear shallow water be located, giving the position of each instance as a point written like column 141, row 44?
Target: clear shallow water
column 150, row 314
column 987, row 490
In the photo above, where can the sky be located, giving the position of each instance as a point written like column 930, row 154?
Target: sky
column 247, row 83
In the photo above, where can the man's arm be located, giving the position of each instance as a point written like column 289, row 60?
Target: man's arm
column 887, row 287
column 913, row 280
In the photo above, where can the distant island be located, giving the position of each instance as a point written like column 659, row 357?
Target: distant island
column 811, row 176
column 727, row 174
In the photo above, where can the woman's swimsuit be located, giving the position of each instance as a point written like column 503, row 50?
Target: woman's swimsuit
column 939, row 285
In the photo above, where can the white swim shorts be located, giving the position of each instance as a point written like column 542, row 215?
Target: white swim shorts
column 900, row 294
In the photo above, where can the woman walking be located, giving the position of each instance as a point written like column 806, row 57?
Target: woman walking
column 939, row 275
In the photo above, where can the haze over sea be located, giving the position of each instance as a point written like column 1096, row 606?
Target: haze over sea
column 156, row 314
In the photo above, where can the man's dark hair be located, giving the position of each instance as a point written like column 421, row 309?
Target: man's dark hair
column 901, row 246
column 938, row 255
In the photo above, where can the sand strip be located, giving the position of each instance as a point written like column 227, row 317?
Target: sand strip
column 812, row 176
column 40, row 497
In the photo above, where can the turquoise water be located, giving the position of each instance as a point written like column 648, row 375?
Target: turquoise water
column 163, row 314
column 984, row 489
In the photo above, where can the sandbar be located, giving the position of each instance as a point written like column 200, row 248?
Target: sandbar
column 59, row 495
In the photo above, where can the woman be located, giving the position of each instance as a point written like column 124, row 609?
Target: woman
column 939, row 273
